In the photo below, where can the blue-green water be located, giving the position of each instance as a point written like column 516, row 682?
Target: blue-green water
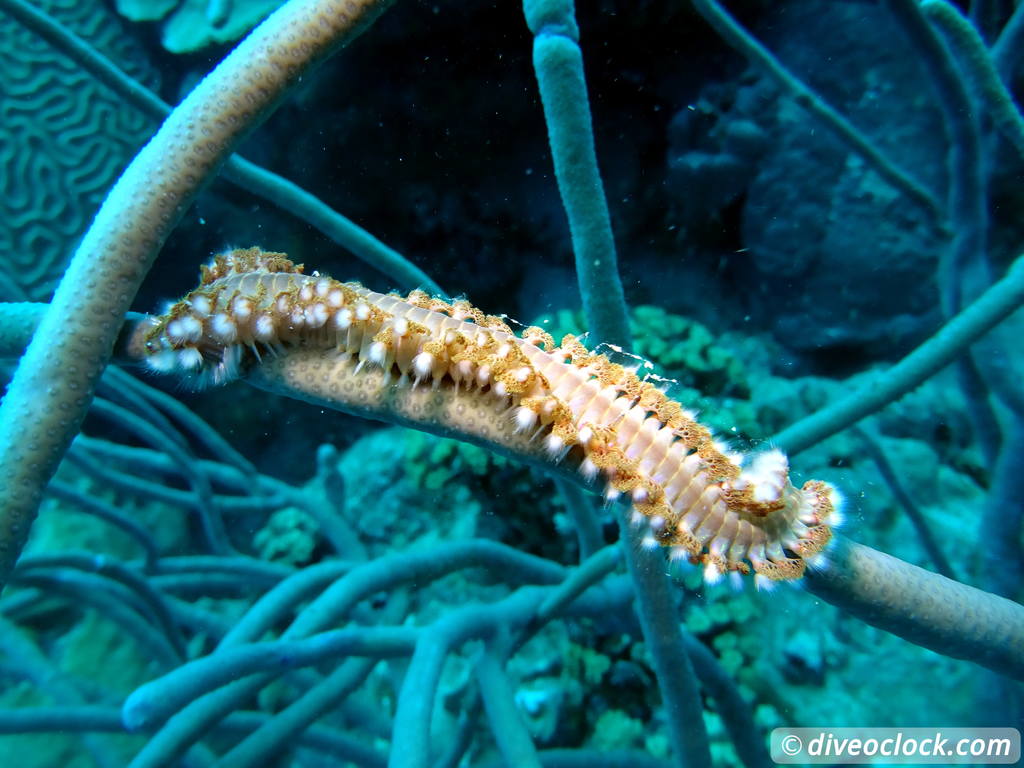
column 787, row 230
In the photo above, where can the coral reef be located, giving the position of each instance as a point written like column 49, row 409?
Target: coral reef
column 281, row 585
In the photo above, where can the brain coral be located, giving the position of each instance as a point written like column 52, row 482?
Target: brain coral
column 63, row 141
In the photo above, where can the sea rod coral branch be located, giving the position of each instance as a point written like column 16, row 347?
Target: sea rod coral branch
column 558, row 65
column 875, row 587
column 997, row 303
column 924, row 608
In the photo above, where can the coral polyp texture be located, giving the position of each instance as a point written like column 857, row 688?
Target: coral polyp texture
column 705, row 503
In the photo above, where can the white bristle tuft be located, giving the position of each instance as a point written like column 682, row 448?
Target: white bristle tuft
column 241, row 308
column 190, row 358
column 343, row 319
column 525, row 418
column 377, row 353
column 766, row 476
column 164, row 361
column 175, row 333
column 224, row 328
column 818, row 562
column 423, row 365
column 554, row 445
column 201, row 305
column 317, row 315
column 712, row 573
column 263, row 328
column 588, row 469
column 193, row 328
column 837, row 519
column 184, row 330
column 679, row 555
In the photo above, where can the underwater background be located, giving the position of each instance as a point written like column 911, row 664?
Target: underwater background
column 788, row 228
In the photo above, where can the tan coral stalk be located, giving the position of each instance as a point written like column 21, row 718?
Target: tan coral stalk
column 450, row 369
